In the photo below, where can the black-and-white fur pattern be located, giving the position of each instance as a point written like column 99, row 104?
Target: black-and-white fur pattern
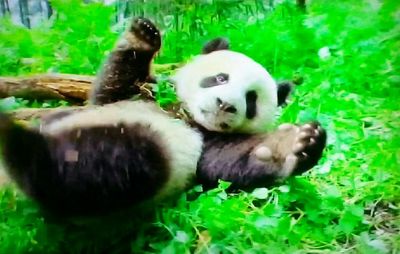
column 227, row 91
column 116, row 154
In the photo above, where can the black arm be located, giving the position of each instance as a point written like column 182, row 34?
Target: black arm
column 252, row 161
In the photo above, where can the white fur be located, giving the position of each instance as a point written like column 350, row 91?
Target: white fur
column 244, row 75
column 289, row 165
column 182, row 144
column 286, row 127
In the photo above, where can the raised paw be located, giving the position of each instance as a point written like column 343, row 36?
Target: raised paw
column 309, row 144
column 145, row 34
column 292, row 149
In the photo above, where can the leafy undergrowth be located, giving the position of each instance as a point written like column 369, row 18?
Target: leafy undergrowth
column 347, row 53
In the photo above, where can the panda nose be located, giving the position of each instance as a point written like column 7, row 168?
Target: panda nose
column 226, row 107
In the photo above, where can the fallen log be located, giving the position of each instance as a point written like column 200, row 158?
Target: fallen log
column 29, row 114
column 47, row 86
column 67, row 87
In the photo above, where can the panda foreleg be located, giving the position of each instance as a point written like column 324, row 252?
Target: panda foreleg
column 128, row 64
column 251, row 161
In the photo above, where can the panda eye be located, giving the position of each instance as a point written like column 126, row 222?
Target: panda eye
column 217, row 80
column 222, row 78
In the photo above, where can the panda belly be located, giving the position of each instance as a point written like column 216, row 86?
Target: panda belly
column 115, row 156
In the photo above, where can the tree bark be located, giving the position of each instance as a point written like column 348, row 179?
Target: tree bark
column 26, row 115
column 24, row 11
column 69, row 87
column 49, row 9
column 47, row 86
column 7, row 6
column 2, row 7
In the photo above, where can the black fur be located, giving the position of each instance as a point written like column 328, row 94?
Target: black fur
column 251, row 104
column 228, row 157
column 284, row 89
column 26, row 154
column 217, row 80
column 147, row 32
column 118, row 166
column 127, row 67
column 215, row 44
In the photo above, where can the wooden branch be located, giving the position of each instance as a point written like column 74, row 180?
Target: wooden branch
column 29, row 114
column 47, row 86
column 58, row 86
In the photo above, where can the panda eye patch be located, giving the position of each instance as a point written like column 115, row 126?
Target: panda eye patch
column 217, row 80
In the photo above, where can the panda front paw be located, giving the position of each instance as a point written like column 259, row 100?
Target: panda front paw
column 309, row 144
column 145, row 34
column 293, row 149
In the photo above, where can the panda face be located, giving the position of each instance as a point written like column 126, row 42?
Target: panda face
column 226, row 91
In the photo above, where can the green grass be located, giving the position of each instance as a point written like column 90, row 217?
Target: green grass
column 350, row 203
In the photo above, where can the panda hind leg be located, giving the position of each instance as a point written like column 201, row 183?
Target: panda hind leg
column 25, row 153
column 128, row 64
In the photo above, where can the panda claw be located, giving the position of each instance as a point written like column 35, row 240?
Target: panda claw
column 307, row 126
column 146, row 32
column 302, row 135
column 304, row 154
column 297, row 147
column 308, row 147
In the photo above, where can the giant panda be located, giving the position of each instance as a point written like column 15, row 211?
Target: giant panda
column 118, row 153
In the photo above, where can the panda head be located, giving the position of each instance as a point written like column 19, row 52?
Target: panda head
column 226, row 91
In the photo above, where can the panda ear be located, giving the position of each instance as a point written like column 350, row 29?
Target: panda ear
column 284, row 89
column 216, row 44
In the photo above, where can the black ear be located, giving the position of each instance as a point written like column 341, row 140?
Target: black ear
column 216, row 44
column 284, row 89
